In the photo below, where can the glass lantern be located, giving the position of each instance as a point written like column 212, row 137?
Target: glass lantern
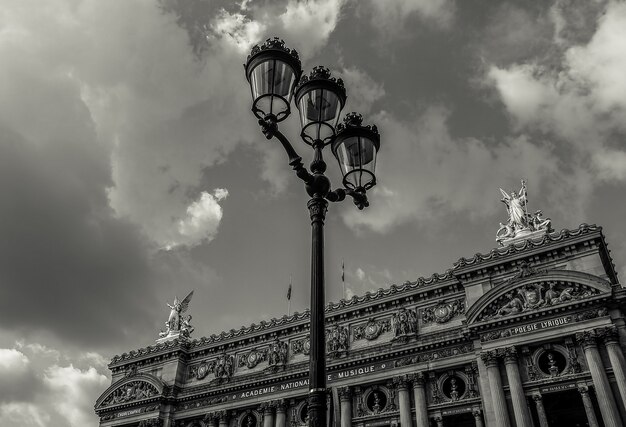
column 272, row 70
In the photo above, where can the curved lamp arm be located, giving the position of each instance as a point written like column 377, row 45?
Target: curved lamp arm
column 269, row 127
column 359, row 197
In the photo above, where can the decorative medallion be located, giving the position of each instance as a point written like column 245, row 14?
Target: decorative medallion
column 253, row 358
column 371, row 330
column 443, row 312
column 203, row 371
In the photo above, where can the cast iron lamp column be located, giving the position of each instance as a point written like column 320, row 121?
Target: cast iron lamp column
column 275, row 76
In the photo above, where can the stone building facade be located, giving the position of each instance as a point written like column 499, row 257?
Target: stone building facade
column 531, row 334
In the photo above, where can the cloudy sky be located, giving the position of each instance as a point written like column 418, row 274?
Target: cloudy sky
column 131, row 169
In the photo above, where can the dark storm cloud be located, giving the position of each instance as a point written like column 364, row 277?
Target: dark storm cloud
column 67, row 266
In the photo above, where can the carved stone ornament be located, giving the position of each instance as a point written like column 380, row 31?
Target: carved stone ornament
column 253, row 358
column 277, row 353
column 301, row 346
column 443, row 312
column 202, row 371
column 337, row 340
column 404, row 323
column 520, row 223
column 371, row 330
column 223, row 367
column 130, row 392
column 534, row 296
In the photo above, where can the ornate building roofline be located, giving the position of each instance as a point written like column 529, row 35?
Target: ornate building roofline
column 393, row 292
column 583, row 232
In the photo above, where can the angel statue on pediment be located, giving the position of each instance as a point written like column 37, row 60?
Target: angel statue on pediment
column 176, row 323
column 516, row 205
column 520, row 223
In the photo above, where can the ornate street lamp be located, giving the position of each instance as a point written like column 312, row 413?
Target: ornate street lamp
column 275, row 75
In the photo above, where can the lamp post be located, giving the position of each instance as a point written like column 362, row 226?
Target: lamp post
column 275, row 76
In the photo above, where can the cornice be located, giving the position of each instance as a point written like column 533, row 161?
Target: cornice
column 546, row 240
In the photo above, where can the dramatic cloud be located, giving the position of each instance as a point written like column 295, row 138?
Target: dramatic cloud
column 364, row 91
column 203, row 218
column 426, row 172
column 390, row 18
column 580, row 101
column 52, row 391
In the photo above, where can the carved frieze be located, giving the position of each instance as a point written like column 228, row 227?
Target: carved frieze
column 223, row 367
column 252, row 358
column 534, row 296
column 277, row 354
column 301, row 346
column 130, row 392
column 404, row 324
column 435, row 355
column 337, row 341
column 371, row 330
column 443, row 312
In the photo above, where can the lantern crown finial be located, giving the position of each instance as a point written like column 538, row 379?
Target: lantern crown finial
column 274, row 43
column 319, row 72
column 353, row 120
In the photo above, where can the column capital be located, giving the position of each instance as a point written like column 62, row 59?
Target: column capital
column 418, row 379
column 587, row 338
column 583, row 389
column 537, row 397
column 345, row 393
column 489, row 358
column 509, row 354
column 267, row 408
column 210, row 417
column 401, row 382
column 477, row 413
column 609, row 334
column 281, row 405
column 222, row 416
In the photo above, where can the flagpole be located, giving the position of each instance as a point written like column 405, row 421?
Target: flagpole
column 289, row 298
column 343, row 280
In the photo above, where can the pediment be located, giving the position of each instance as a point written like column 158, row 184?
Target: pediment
column 133, row 389
column 536, row 292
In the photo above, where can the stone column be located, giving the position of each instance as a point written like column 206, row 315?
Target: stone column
column 210, row 419
column 402, row 385
column 345, row 400
column 588, row 404
column 419, row 395
column 439, row 420
column 616, row 356
column 606, row 401
column 281, row 414
column 223, row 418
column 478, row 417
column 541, row 411
column 495, row 386
column 520, row 407
column 268, row 415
